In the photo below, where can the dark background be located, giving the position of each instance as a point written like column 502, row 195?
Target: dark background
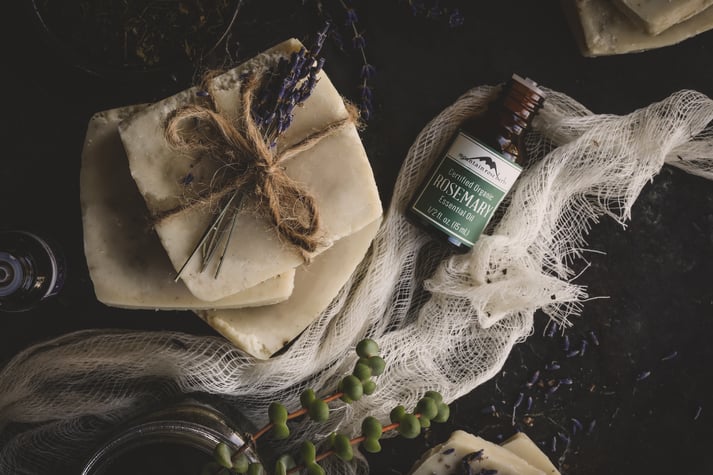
column 656, row 273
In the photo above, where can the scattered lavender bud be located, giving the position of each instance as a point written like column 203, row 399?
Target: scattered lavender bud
column 553, row 366
column 565, row 343
column 643, row 375
column 593, row 337
column 529, row 404
column 583, row 347
column 699, row 410
column 566, row 381
column 448, row 451
column 576, row 425
column 552, row 329
column 553, row 444
column 670, row 356
column 563, row 437
column 533, row 379
column 517, row 403
column 552, row 389
column 591, row 426
column 572, row 354
column 488, row 471
column 202, row 94
column 187, row 179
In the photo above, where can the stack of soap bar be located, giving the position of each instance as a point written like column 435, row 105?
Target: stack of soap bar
column 335, row 171
column 126, row 262
column 265, row 295
column 602, row 28
column 517, row 456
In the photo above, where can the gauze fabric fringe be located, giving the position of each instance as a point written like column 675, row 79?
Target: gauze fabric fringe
column 443, row 322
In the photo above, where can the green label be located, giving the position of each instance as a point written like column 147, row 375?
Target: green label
column 465, row 189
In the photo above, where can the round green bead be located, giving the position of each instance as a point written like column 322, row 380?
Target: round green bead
column 409, row 426
column 287, row 460
column 362, row 371
column 371, row 445
column 377, row 365
column 435, row 395
column 367, row 348
column 256, row 469
column 343, row 447
column 315, row 469
column 371, row 427
column 427, row 407
column 352, row 387
column 240, row 462
column 369, row 387
column 221, row 454
column 307, row 397
column 277, row 413
column 425, row 422
column 280, row 468
column 308, row 452
column 444, row 412
column 318, row 410
column 397, row 414
column 280, row 431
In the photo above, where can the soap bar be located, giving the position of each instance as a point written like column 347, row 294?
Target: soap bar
column 127, row 264
column 262, row 331
column 447, row 458
column 524, row 447
column 656, row 16
column 335, row 171
column 601, row 29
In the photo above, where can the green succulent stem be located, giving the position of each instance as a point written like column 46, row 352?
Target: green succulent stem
column 356, row 440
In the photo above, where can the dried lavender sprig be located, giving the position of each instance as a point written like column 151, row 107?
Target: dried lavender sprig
column 291, row 84
column 368, row 70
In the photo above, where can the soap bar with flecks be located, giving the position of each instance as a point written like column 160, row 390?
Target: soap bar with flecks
column 262, row 331
column 601, row 29
column 448, row 458
column 655, row 16
column 335, row 171
column 524, row 447
column 127, row 265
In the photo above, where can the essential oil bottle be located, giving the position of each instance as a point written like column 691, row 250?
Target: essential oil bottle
column 466, row 186
column 32, row 269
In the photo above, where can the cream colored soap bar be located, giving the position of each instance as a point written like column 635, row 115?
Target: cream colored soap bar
column 522, row 446
column 655, row 16
column 262, row 331
column 601, row 29
column 336, row 171
column 447, row 458
column 126, row 262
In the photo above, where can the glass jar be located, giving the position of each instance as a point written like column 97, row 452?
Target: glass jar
column 32, row 269
column 176, row 440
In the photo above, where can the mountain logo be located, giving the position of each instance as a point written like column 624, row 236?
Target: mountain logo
column 488, row 161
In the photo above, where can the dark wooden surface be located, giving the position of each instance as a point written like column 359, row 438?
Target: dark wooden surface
column 656, row 273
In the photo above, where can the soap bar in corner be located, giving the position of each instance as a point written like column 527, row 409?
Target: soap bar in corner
column 127, row 265
column 655, row 16
column 447, row 458
column 601, row 29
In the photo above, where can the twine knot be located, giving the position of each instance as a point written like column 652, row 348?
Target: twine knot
column 250, row 166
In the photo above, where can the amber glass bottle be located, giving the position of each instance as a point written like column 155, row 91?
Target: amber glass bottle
column 32, row 269
column 466, row 186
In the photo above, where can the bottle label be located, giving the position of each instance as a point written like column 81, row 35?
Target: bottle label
column 465, row 189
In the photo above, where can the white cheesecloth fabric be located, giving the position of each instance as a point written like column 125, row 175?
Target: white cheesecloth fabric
column 443, row 322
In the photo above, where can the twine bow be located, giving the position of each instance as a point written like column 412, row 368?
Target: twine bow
column 250, row 166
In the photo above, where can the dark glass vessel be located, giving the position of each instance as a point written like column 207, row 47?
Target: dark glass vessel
column 32, row 269
column 482, row 162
